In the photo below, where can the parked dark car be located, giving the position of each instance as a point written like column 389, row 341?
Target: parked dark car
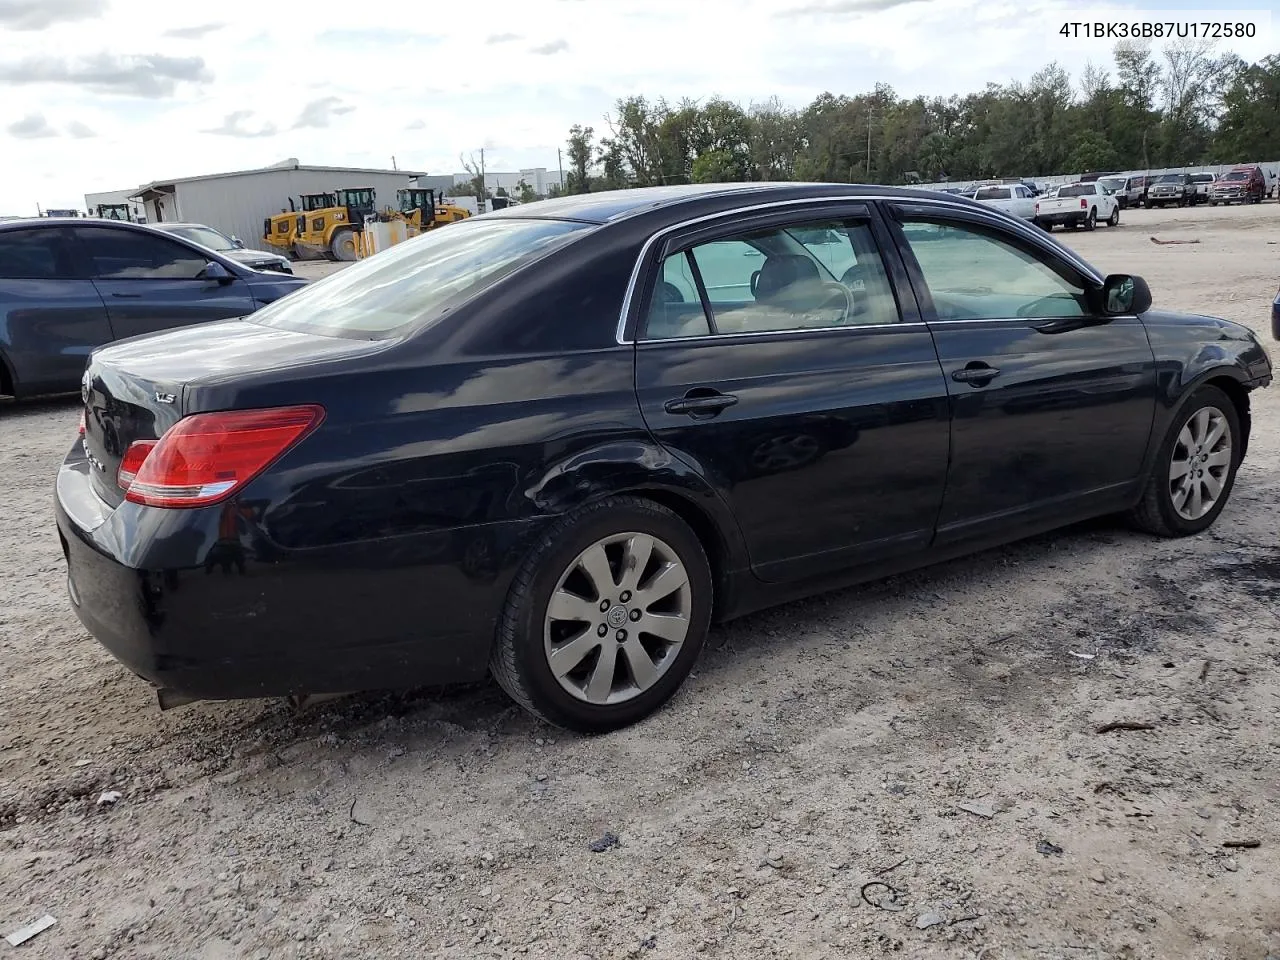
column 558, row 441
column 1241, row 185
column 227, row 246
column 1170, row 188
column 67, row 286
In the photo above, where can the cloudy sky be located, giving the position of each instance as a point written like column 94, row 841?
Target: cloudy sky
column 107, row 94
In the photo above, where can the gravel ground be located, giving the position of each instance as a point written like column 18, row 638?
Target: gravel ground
column 933, row 735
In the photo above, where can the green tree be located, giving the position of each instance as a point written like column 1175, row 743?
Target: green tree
column 525, row 193
column 581, row 150
column 1250, row 128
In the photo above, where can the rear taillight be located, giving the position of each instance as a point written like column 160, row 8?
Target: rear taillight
column 138, row 451
column 1084, row 204
column 206, row 457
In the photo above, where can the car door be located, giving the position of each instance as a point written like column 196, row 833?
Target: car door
column 152, row 282
column 1023, row 204
column 773, row 358
column 1051, row 402
column 50, row 318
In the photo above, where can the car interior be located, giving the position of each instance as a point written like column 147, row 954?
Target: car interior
column 775, row 280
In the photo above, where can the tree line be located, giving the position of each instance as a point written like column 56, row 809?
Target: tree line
column 1181, row 106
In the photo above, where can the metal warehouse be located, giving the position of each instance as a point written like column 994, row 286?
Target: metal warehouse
column 237, row 203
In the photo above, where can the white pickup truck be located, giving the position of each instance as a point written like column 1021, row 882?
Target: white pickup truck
column 1012, row 198
column 1076, row 205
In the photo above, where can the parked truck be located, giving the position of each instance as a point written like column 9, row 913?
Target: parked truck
column 1078, row 205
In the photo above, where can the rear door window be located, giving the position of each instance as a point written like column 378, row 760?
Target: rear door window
column 39, row 253
column 133, row 255
column 806, row 276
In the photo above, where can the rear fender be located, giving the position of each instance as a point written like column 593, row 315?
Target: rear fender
column 640, row 467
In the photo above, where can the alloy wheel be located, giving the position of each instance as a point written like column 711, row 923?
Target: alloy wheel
column 1200, row 463
column 617, row 619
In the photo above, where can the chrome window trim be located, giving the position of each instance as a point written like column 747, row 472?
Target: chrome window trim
column 647, row 249
column 846, row 328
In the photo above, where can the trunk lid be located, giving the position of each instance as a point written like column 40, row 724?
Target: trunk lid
column 120, row 407
column 137, row 389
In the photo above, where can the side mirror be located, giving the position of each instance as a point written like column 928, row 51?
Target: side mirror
column 237, row 243
column 216, row 272
column 1123, row 294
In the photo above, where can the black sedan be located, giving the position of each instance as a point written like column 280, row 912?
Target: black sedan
column 68, row 286
column 556, row 442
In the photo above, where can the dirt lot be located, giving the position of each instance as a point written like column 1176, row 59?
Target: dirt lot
column 933, row 734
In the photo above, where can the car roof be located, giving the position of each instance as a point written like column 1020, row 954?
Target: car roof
column 72, row 222
column 611, row 205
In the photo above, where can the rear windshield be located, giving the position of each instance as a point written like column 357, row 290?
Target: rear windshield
column 417, row 281
column 1077, row 190
column 993, row 193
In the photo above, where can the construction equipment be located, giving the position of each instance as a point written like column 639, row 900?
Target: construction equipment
column 324, row 227
column 114, row 211
column 330, row 231
column 423, row 210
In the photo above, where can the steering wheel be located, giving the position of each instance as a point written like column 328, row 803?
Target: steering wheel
column 1032, row 310
column 838, row 293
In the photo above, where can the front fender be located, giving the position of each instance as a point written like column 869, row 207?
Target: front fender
column 1190, row 351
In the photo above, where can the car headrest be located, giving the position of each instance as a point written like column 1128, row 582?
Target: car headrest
column 782, row 271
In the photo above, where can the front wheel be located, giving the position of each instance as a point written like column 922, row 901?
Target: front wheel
column 1195, row 468
column 605, row 617
column 342, row 245
column 1114, row 219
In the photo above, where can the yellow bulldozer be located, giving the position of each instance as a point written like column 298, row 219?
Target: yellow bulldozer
column 325, row 228
column 423, row 210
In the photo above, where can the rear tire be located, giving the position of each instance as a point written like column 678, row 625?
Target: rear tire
column 1165, row 510
column 342, row 245
column 1091, row 221
column 616, row 671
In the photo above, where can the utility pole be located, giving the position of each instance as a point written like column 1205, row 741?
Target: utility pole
column 560, row 164
column 869, row 118
column 393, row 162
column 484, row 188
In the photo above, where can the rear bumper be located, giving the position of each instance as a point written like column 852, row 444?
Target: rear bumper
column 238, row 617
column 1059, row 219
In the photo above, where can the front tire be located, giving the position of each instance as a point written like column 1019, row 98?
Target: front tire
column 342, row 245
column 1195, row 468
column 605, row 617
column 1114, row 219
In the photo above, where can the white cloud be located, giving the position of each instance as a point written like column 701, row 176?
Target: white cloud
column 172, row 94
column 31, row 127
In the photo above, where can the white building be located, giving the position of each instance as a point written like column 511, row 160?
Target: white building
column 113, row 197
column 237, row 203
column 539, row 179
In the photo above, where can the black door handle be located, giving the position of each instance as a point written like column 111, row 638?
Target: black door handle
column 700, row 403
column 127, row 296
column 975, row 373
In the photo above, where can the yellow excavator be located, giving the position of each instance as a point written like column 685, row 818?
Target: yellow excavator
column 423, row 210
